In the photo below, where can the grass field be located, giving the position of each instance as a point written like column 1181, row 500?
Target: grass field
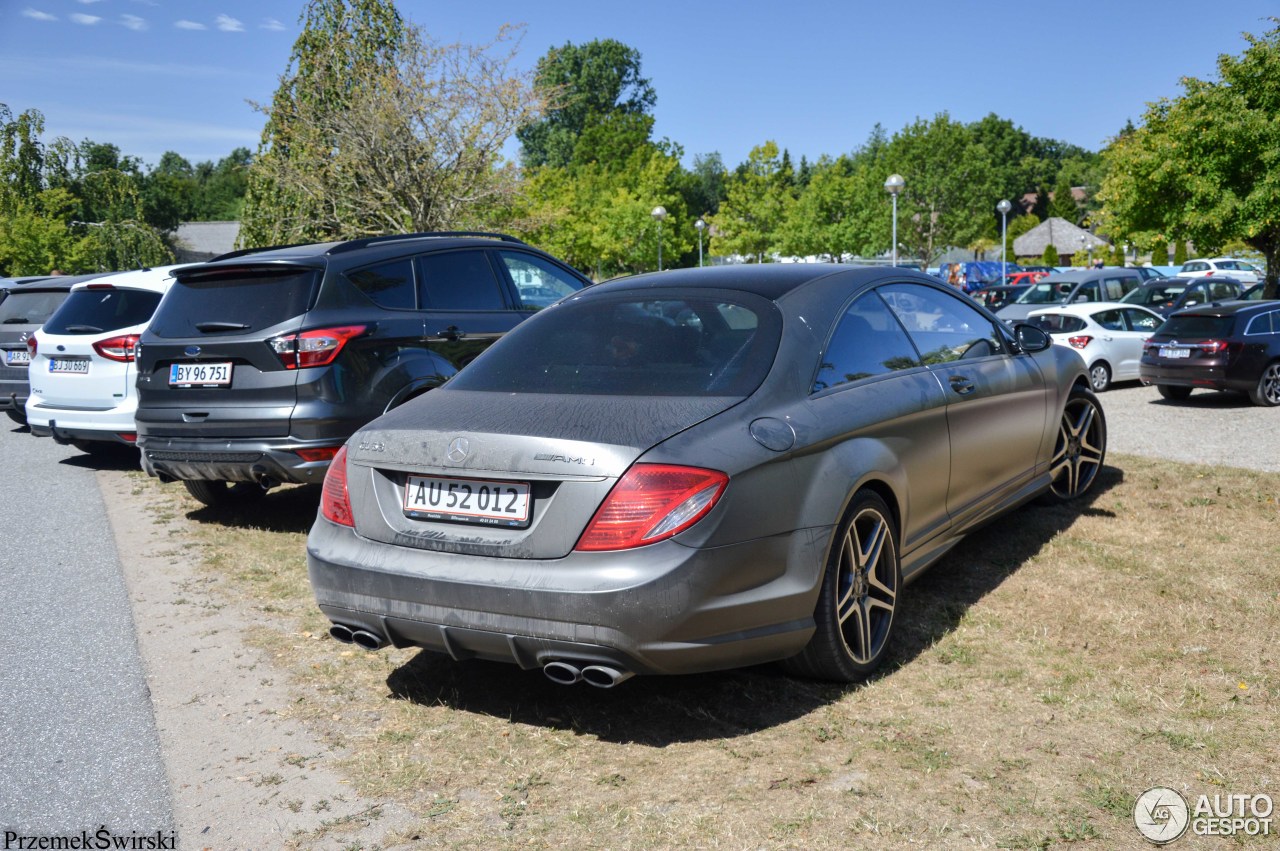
column 1049, row 670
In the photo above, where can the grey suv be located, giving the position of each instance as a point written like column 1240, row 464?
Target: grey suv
column 1072, row 287
column 259, row 365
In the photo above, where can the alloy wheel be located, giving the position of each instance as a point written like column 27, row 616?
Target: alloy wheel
column 1081, row 446
column 1268, row 390
column 866, row 585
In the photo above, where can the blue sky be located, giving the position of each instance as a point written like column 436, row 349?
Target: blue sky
column 157, row 75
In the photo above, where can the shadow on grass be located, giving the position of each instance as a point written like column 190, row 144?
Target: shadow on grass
column 291, row 508
column 660, row 711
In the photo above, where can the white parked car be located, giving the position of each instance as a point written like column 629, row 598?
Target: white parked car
column 1108, row 335
column 1245, row 273
column 82, row 372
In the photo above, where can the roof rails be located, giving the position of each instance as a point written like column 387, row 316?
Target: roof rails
column 354, row 244
column 230, row 255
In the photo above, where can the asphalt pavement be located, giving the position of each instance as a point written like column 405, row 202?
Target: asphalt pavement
column 78, row 745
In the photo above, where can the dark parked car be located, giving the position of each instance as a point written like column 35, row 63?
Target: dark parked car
column 26, row 307
column 994, row 298
column 698, row 470
column 259, row 365
column 1073, row 287
column 1254, row 293
column 1147, row 273
column 1232, row 346
column 1168, row 295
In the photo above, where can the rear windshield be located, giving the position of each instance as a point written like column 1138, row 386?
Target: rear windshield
column 1196, row 327
column 238, row 303
column 634, row 345
column 95, row 311
column 30, row 308
column 1057, row 323
column 1155, row 294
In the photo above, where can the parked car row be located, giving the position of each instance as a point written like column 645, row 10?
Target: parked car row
column 675, row 472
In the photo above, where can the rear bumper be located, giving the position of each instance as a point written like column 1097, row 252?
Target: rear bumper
column 232, row 459
column 1215, row 376
column 662, row 609
column 13, row 395
column 65, row 424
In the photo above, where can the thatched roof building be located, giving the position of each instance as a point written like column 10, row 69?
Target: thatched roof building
column 1064, row 236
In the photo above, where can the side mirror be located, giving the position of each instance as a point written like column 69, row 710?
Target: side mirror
column 1031, row 339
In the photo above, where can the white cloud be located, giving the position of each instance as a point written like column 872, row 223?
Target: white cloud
column 190, row 25
column 271, row 24
column 86, row 20
column 228, row 24
column 38, row 15
column 133, row 22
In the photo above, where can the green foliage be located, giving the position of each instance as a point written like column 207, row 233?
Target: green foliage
column 1203, row 165
column 1160, row 254
column 1064, row 204
column 758, row 202
column 1019, row 225
column 1179, row 252
column 599, row 106
column 1050, row 257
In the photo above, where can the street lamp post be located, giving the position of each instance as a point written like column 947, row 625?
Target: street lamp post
column 659, row 214
column 1004, row 207
column 1083, row 242
column 893, row 186
column 701, row 226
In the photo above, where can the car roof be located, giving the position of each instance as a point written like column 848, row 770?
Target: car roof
column 56, row 283
column 1228, row 308
column 390, row 245
column 158, row 278
column 1087, row 308
column 770, row 280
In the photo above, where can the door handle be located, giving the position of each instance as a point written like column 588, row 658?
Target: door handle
column 962, row 385
column 452, row 334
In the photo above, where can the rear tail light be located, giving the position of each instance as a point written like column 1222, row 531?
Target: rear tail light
column 650, row 503
column 313, row 348
column 321, row 453
column 117, row 348
column 32, row 345
column 1080, row 342
column 1213, row 347
column 128, row 436
column 335, row 501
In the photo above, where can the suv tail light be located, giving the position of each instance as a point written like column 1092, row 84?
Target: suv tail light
column 1080, row 341
column 117, row 348
column 313, row 348
column 335, row 501
column 650, row 503
column 1213, row 347
column 32, row 345
column 319, row 453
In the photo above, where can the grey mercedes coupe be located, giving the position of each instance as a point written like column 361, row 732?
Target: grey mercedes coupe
column 698, row 470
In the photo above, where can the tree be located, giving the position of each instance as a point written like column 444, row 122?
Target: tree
column 1179, row 252
column 1019, row 225
column 378, row 129
column 598, row 106
column 1160, row 253
column 1064, row 204
column 757, row 204
column 1203, row 165
column 1050, row 257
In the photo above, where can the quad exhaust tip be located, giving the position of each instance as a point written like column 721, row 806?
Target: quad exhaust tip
column 600, row 676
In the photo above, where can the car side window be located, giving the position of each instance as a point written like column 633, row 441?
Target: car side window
column 1112, row 320
column 387, row 284
column 1140, row 320
column 942, row 327
column 538, row 283
column 459, row 280
column 868, row 341
column 1087, row 292
column 1219, row 290
column 1264, row 323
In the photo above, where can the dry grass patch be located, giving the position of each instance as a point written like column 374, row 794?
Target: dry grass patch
column 1050, row 669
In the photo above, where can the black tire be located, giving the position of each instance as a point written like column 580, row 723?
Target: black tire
column 1173, row 393
column 1267, row 391
column 19, row 417
column 858, row 600
column 1100, row 376
column 1080, row 449
column 224, row 494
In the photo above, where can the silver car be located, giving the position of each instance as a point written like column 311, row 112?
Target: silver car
column 698, row 470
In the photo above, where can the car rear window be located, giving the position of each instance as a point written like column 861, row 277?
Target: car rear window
column 239, row 302
column 1046, row 292
column 634, row 345
column 30, row 308
column 1195, row 327
column 96, row 311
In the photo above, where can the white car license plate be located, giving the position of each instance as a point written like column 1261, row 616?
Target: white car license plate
column 467, row 500
column 17, row 357
column 200, row 374
column 74, row 366
column 1166, row 352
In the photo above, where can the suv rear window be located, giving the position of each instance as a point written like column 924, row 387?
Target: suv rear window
column 95, row 311
column 30, row 308
column 237, row 303
column 1196, row 327
column 634, row 345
